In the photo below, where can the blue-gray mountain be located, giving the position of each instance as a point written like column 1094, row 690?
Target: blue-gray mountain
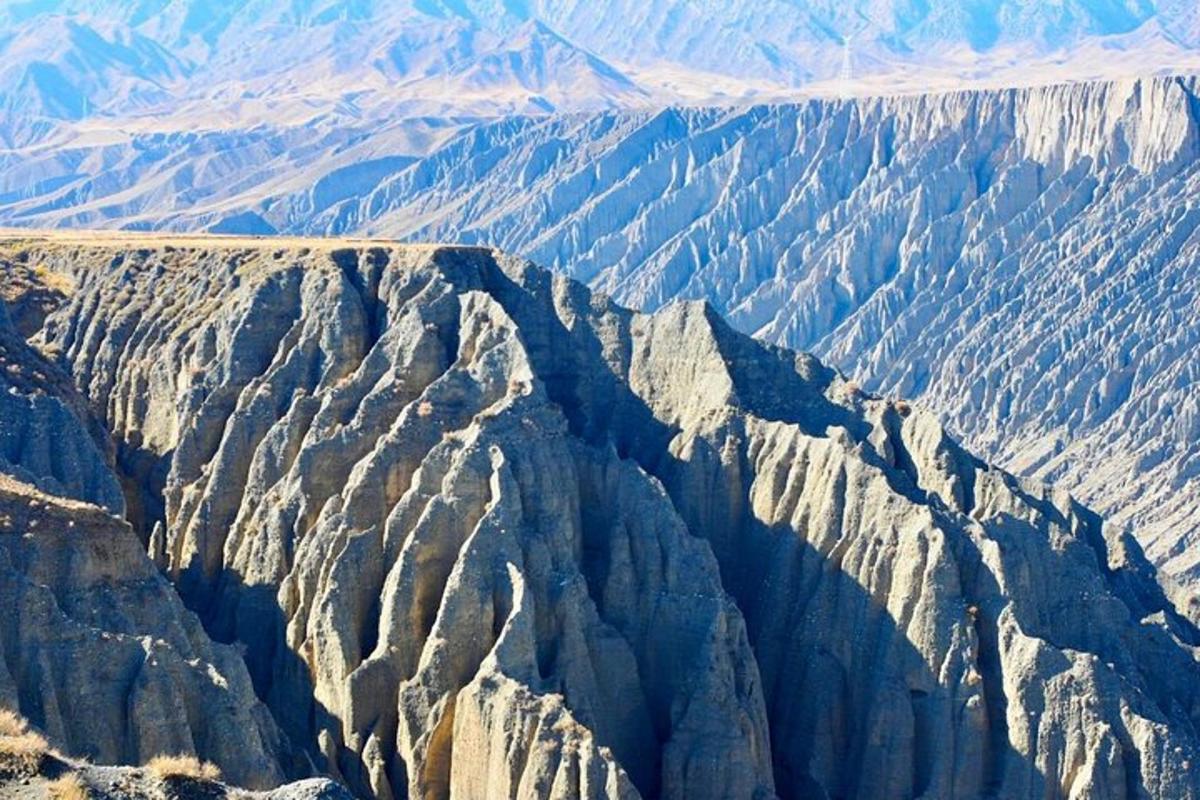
column 206, row 64
column 1023, row 261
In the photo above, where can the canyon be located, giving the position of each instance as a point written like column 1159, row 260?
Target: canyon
column 477, row 530
column 1020, row 261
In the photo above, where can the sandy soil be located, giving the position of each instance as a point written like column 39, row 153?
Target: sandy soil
column 18, row 236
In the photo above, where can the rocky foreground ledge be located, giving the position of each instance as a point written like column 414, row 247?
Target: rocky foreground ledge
column 479, row 532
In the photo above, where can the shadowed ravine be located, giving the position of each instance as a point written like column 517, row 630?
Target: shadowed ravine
column 483, row 533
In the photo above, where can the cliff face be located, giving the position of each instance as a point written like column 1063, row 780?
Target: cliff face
column 97, row 650
column 1022, row 262
column 47, row 433
column 483, row 533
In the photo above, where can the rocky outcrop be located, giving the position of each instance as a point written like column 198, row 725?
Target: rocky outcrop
column 1020, row 261
column 47, row 434
column 95, row 646
column 97, row 650
column 28, row 296
column 483, row 533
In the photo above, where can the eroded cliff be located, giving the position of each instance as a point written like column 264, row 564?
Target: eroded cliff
column 98, row 651
column 484, row 533
column 1021, row 261
column 96, row 648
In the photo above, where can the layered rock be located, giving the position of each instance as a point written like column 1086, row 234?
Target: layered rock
column 483, row 533
column 97, row 650
column 47, row 434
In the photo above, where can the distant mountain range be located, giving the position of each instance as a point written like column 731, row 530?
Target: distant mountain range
column 202, row 64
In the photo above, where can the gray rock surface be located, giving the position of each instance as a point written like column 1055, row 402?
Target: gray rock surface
column 47, row 434
column 484, row 533
column 1022, row 261
column 97, row 650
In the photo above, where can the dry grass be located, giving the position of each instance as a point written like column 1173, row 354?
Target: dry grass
column 12, row 723
column 181, row 766
column 21, row 750
column 13, row 240
column 54, row 281
column 68, row 786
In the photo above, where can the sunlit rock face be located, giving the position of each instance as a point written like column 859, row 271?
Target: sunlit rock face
column 1022, row 262
column 48, row 436
column 484, row 533
column 96, row 648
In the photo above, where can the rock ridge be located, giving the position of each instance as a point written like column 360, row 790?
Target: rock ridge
column 481, row 530
column 919, row 244
column 99, row 652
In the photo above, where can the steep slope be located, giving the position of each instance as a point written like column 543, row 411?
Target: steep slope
column 99, row 652
column 1022, row 261
column 47, row 435
column 481, row 529
column 95, row 646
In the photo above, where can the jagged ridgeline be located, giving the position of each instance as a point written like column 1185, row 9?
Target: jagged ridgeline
column 482, row 533
column 1021, row 261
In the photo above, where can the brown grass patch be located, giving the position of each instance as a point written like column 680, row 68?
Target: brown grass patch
column 12, row 723
column 21, row 750
column 181, row 766
column 54, row 281
column 68, row 786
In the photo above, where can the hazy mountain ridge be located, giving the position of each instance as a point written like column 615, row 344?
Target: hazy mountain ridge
column 182, row 61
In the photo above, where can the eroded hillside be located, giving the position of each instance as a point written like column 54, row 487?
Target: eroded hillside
column 96, row 648
column 1022, row 262
column 482, row 532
